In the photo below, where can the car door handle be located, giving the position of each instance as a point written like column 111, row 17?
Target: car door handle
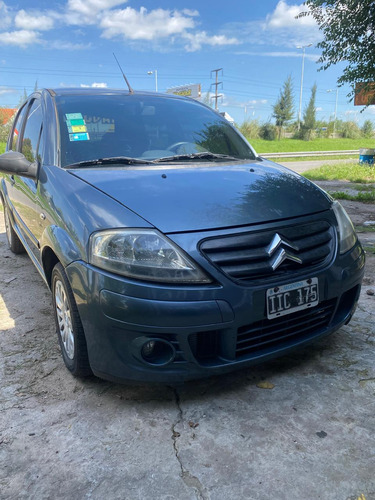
column 12, row 180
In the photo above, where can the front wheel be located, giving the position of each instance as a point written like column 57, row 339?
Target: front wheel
column 14, row 242
column 68, row 325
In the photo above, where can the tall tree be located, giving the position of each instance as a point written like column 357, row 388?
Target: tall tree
column 22, row 98
column 283, row 109
column 348, row 27
column 309, row 116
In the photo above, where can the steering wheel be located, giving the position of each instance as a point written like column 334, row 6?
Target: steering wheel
column 174, row 146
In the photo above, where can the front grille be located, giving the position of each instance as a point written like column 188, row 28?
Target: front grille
column 269, row 335
column 273, row 253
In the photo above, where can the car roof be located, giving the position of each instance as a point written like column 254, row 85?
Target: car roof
column 107, row 91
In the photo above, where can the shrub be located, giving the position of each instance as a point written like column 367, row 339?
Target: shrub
column 367, row 129
column 250, row 129
column 268, row 132
column 350, row 130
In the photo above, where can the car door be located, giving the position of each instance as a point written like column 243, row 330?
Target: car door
column 23, row 193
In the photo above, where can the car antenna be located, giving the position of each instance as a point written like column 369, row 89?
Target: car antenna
column 131, row 91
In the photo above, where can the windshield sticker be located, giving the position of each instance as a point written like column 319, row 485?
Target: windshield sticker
column 76, row 127
column 74, row 116
column 79, row 137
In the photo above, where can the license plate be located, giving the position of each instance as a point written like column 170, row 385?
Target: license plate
column 287, row 299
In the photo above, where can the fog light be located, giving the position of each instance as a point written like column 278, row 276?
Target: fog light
column 157, row 352
column 147, row 348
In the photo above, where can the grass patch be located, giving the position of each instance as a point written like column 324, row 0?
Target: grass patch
column 282, row 159
column 351, row 172
column 369, row 250
column 322, row 144
column 365, row 229
column 2, row 147
column 364, row 197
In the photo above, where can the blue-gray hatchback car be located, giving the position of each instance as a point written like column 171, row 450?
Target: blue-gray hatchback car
column 171, row 249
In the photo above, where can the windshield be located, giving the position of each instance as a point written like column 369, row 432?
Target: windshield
column 144, row 127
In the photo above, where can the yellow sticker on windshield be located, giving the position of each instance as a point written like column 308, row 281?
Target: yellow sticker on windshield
column 77, row 128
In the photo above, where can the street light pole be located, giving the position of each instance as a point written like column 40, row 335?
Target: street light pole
column 303, row 47
column 335, row 117
column 154, row 72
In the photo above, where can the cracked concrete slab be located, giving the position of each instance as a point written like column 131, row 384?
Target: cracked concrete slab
column 298, row 427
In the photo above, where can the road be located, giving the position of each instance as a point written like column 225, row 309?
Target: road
column 296, row 428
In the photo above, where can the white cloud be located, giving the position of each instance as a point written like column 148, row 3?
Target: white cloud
column 280, row 28
column 21, row 38
column 7, row 90
column 97, row 85
column 189, row 12
column 196, row 40
column 6, row 20
column 311, row 57
column 35, row 21
column 86, row 11
column 62, row 45
column 284, row 16
column 132, row 24
column 176, row 27
column 230, row 101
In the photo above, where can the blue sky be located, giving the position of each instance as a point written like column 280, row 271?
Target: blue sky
column 70, row 43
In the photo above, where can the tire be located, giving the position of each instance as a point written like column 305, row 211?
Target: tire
column 14, row 242
column 69, row 327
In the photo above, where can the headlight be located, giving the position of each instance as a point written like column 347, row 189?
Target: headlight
column 347, row 234
column 143, row 254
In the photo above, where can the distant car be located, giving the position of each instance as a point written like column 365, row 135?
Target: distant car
column 171, row 249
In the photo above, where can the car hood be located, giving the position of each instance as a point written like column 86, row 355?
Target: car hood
column 190, row 198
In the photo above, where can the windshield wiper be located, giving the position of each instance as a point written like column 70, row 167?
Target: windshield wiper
column 204, row 155
column 126, row 160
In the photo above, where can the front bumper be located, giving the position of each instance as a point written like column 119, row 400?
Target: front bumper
column 209, row 329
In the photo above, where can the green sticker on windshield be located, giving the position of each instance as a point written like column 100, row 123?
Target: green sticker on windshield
column 74, row 116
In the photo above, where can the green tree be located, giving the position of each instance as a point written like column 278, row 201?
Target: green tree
column 309, row 115
column 207, row 99
column 348, row 28
column 22, row 98
column 367, row 128
column 283, row 109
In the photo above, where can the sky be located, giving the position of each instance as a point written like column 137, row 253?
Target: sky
column 71, row 43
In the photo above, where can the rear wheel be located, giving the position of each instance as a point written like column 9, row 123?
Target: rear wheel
column 68, row 325
column 14, row 242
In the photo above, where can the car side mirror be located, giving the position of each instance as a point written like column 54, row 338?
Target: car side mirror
column 15, row 163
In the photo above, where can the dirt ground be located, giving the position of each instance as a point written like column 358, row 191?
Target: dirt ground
column 301, row 427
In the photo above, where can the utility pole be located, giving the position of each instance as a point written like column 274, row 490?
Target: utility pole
column 335, row 116
column 303, row 47
column 216, row 84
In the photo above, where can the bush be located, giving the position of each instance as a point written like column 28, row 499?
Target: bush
column 304, row 134
column 268, row 132
column 250, row 129
column 350, row 130
column 367, row 129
